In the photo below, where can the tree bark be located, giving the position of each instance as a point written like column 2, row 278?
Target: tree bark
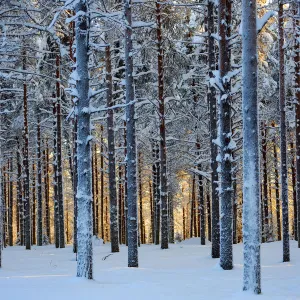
column 84, row 185
column 225, row 138
column 251, row 188
column 114, row 231
column 211, row 98
column 39, row 185
column 162, row 133
column 132, row 222
column 283, row 140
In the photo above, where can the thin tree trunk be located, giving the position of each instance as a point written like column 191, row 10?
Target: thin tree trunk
column 55, row 189
column 114, row 231
column 283, row 140
column 225, row 138
column 162, row 133
column 294, row 190
column 141, row 200
column 211, row 98
column 132, row 226
column 33, row 205
column 251, row 189
column 265, row 229
column 156, row 184
column 60, row 196
column 84, row 185
column 96, row 203
column 102, row 185
column 208, row 212
column 27, row 217
column 39, row 185
column 75, row 145
column 297, row 117
column 151, row 211
column 10, row 204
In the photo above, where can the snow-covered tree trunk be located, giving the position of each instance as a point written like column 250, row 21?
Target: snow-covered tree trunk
column 225, row 138
column 132, row 222
column 84, row 185
column 27, row 216
column 211, row 98
column 297, row 115
column 60, row 196
column 1, row 216
column 75, row 180
column 251, row 188
column 162, row 133
column 114, row 232
column 39, row 184
column 283, row 140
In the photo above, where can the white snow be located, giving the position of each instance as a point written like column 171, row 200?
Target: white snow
column 185, row 271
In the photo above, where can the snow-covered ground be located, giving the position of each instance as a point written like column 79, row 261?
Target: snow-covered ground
column 185, row 271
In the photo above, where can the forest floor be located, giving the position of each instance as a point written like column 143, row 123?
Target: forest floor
column 185, row 271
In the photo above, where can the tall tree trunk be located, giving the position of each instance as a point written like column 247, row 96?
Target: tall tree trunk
column 265, row 230
column 102, row 184
column 114, row 231
column 156, row 184
column 96, row 202
column 211, row 98
column 132, row 226
column 283, row 140
column 297, row 117
column 10, row 204
column 225, row 138
column 294, row 190
column 55, row 186
column 192, row 220
column 84, row 185
column 141, row 200
column 183, row 224
column 151, row 211
column 276, row 182
column 208, row 212
column 46, row 191
column 251, row 189
column 33, row 205
column 39, row 185
column 162, row 133
column 20, row 196
column 60, row 196
column 27, row 219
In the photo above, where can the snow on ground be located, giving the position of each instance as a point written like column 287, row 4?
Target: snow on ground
column 185, row 271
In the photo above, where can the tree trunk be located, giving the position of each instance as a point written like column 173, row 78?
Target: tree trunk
column 55, row 187
column 60, row 196
column 141, row 200
column 225, row 138
column 132, row 226
column 10, row 204
column 297, row 117
column 96, row 192
column 211, row 98
column 251, row 189
column 294, row 190
column 84, row 185
column 114, row 231
column 162, row 133
column 265, row 230
column 27, row 218
column 33, row 205
column 39, row 185
column 283, row 140
column 102, row 184
column 156, row 184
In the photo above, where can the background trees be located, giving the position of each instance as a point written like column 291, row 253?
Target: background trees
column 157, row 80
